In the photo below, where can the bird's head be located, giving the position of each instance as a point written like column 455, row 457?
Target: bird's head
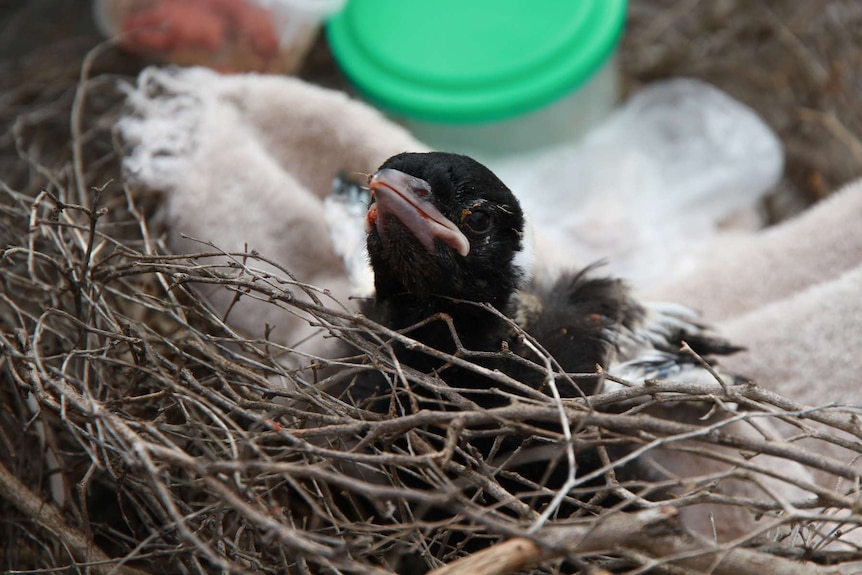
column 443, row 224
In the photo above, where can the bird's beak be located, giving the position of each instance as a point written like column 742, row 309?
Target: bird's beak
column 409, row 199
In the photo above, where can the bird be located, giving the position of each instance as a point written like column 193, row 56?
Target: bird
column 452, row 260
column 447, row 238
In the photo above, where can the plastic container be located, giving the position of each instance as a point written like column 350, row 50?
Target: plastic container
column 226, row 35
column 677, row 164
column 484, row 77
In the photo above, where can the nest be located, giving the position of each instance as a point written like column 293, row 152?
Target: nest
column 138, row 426
column 139, row 433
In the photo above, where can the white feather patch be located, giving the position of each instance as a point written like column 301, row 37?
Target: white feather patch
column 525, row 259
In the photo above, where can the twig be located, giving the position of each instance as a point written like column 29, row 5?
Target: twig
column 567, row 436
column 649, row 531
column 838, row 130
column 78, row 105
column 51, row 521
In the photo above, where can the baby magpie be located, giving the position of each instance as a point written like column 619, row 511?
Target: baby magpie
column 445, row 234
column 447, row 239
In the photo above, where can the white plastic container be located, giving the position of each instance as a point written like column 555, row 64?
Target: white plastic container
column 485, row 77
column 560, row 122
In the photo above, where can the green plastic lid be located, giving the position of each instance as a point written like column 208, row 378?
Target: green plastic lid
column 462, row 61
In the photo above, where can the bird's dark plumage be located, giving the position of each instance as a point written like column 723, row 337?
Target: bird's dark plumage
column 422, row 268
column 445, row 234
column 447, row 238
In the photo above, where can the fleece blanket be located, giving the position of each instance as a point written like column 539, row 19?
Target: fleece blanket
column 247, row 162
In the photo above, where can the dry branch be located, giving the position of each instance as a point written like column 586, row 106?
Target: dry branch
column 51, row 522
column 238, row 452
column 650, row 532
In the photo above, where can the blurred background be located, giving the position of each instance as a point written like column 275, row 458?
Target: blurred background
column 798, row 64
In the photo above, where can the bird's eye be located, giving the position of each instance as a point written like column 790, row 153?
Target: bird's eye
column 479, row 221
